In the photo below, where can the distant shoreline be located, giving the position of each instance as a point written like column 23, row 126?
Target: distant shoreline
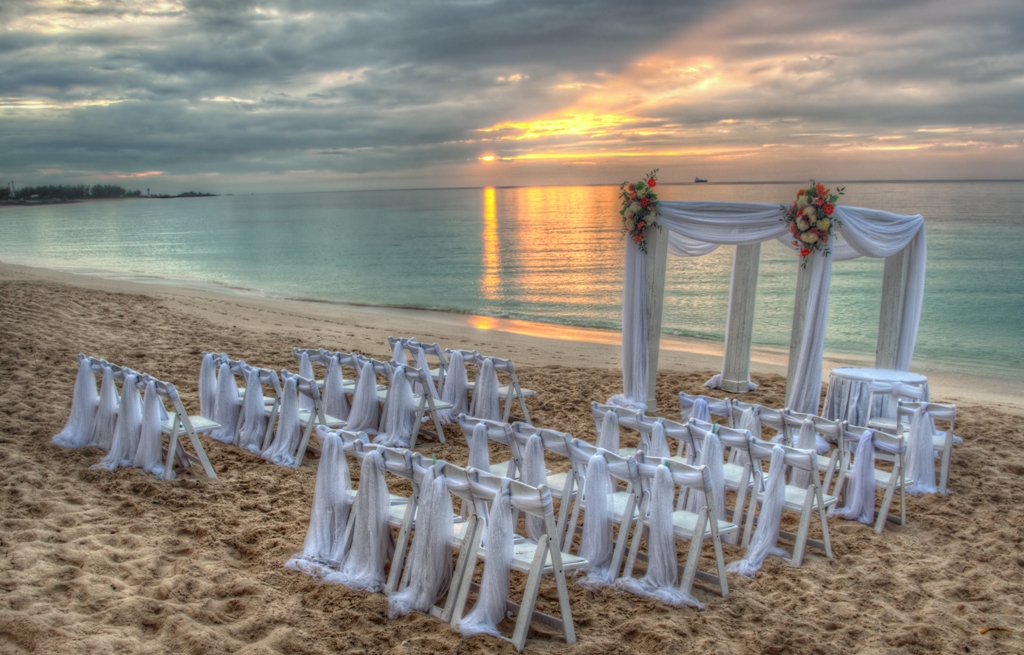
column 72, row 201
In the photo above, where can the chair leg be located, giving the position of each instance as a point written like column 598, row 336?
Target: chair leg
column 800, row 543
column 529, row 601
column 693, row 556
column 748, row 529
column 883, row 511
column 398, row 561
column 944, row 476
column 459, row 575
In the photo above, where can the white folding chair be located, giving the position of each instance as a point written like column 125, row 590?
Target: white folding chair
column 737, row 471
column 889, row 395
column 555, row 443
column 310, row 418
column 804, row 501
column 511, row 391
column 179, row 424
column 687, row 526
column 632, row 419
column 831, row 431
column 426, row 404
column 626, row 494
column 536, row 559
column 890, row 481
column 942, row 441
column 720, row 407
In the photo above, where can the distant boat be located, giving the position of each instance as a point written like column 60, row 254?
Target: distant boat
column 697, row 180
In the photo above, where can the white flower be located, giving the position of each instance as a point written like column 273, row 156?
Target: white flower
column 809, row 237
column 824, row 224
column 634, row 207
column 811, row 213
column 801, row 201
column 802, row 223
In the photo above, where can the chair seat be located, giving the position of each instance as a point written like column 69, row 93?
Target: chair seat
column 382, row 394
column 200, row 424
column 556, row 484
column 884, row 424
column 500, row 468
column 684, row 524
column 627, row 452
column 524, row 552
column 733, row 475
column 267, row 400
column 331, row 421
column 395, row 500
column 939, row 441
column 882, row 479
column 619, row 500
column 503, row 391
column 795, row 497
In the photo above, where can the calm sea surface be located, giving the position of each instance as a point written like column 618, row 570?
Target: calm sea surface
column 551, row 254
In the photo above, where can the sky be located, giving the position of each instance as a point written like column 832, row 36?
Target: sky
column 232, row 96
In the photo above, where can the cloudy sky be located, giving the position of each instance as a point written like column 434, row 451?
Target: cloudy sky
column 250, row 95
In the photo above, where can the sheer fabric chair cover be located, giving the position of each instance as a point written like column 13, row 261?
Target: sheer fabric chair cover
column 329, row 513
column 700, row 410
column 766, row 535
column 106, row 412
column 479, row 455
column 455, row 390
column 364, row 414
column 806, row 440
column 398, row 425
column 430, row 558
column 254, row 419
column 597, row 543
column 289, row 427
column 662, row 568
column 486, row 400
column 362, row 566
column 335, row 398
column 534, row 474
column 659, row 443
column 421, row 364
column 148, row 456
column 489, row 609
column 208, row 387
column 77, row 431
column 126, row 432
column 305, row 371
column 711, row 456
column 920, row 454
column 860, row 494
column 608, row 437
column 398, row 353
column 228, row 405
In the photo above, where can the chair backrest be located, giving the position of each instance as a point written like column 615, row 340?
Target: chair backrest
column 830, row 430
column 398, row 462
column 628, row 418
column 622, row 469
column 685, row 476
column 468, row 356
column 721, row 407
column 268, row 377
column 673, row 430
column 938, row 411
column 316, row 355
column 307, row 387
column 552, row 440
column 804, row 460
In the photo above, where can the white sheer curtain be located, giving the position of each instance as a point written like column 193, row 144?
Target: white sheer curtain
column 698, row 228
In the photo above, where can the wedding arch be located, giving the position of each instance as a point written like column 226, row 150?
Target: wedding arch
column 692, row 229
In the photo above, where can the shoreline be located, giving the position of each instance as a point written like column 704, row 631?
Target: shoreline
column 529, row 343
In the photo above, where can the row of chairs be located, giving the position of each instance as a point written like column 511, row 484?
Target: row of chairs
column 94, row 415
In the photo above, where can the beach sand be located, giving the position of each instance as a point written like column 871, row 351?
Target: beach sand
column 98, row 562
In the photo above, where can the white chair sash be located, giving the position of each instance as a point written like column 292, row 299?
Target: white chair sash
column 228, row 406
column 289, row 428
column 766, row 535
column 398, row 426
column 598, row 521
column 362, row 566
column 534, row 474
column 305, row 371
column 148, row 456
column 479, row 455
column 254, row 419
column 364, row 414
column 430, row 559
column 77, row 431
column 207, row 387
column 609, row 437
column 489, row 609
column 126, row 431
column 455, row 390
column 329, row 513
column 486, row 401
column 920, row 454
column 335, row 397
column 106, row 412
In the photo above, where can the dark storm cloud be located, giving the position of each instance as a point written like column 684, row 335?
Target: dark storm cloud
column 241, row 86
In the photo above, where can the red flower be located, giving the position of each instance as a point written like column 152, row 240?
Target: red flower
column 645, row 203
column 820, row 188
column 632, row 196
column 637, row 239
column 640, row 225
column 819, row 202
column 801, row 192
column 823, row 236
column 631, row 188
column 652, row 182
column 829, row 208
column 805, row 251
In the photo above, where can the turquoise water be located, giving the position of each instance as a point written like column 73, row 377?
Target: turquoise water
column 551, row 254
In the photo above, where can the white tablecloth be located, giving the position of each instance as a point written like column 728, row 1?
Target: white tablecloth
column 850, row 387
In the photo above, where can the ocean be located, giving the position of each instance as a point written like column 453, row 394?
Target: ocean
column 549, row 254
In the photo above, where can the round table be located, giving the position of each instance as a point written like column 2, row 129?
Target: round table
column 849, row 389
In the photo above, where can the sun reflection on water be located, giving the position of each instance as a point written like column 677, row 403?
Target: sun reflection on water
column 490, row 278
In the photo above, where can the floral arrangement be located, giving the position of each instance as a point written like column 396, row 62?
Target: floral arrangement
column 810, row 218
column 639, row 208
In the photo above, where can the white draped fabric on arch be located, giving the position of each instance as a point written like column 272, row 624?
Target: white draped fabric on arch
column 698, row 228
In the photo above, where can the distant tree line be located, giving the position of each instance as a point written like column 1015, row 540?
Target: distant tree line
column 68, row 192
